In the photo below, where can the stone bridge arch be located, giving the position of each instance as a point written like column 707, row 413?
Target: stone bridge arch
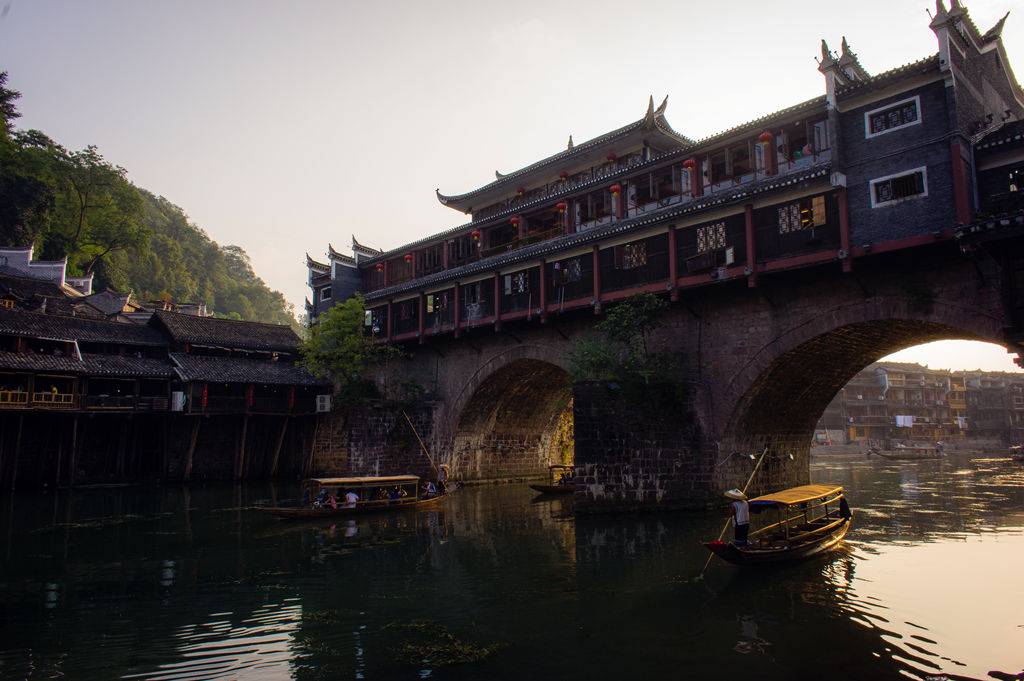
column 778, row 394
column 509, row 413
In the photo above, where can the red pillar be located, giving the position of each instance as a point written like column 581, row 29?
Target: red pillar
column 456, row 315
column 960, row 194
column 497, row 301
column 543, row 291
column 673, row 265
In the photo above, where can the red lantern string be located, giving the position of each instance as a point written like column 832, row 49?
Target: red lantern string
column 615, row 189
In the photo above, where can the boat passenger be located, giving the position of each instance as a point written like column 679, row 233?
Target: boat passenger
column 397, row 494
column 379, row 494
column 351, row 499
column 429, row 489
column 321, row 498
column 740, row 516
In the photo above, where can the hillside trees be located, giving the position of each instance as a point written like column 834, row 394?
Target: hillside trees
column 79, row 205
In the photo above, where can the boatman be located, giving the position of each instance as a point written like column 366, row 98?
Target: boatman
column 740, row 516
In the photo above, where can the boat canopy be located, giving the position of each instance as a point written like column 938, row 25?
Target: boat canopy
column 794, row 495
column 354, row 482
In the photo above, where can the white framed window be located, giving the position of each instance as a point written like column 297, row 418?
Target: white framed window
column 910, row 184
column 885, row 119
column 325, row 294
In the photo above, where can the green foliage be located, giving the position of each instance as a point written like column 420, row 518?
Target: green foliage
column 340, row 349
column 80, row 206
column 618, row 354
column 619, row 349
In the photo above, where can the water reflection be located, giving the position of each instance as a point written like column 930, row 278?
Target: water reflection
column 174, row 583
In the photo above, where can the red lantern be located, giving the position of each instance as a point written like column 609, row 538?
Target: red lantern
column 765, row 137
column 563, row 176
column 521, row 191
column 408, row 257
column 380, row 267
column 562, row 206
column 611, row 158
column 615, row 189
column 690, row 164
column 475, row 234
column 515, row 222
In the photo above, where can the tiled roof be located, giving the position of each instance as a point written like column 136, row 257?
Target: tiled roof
column 1006, row 134
column 921, row 66
column 239, row 370
column 815, row 172
column 58, row 327
column 227, row 333
column 90, row 364
column 26, row 287
column 653, row 122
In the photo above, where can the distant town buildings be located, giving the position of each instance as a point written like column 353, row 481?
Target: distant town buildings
column 891, row 402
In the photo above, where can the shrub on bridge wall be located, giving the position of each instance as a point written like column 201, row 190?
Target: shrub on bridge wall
column 618, row 354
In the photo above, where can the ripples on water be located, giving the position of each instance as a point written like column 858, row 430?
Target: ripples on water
column 194, row 583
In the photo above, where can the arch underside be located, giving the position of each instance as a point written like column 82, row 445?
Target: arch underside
column 782, row 406
column 508, row 429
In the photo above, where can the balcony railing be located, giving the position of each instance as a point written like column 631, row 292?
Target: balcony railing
column 52, row 400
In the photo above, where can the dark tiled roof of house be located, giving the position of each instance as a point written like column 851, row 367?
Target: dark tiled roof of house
column 239, row 370
column 90, row 364
column 226, row 333
column 27, row 287
column 58, row 327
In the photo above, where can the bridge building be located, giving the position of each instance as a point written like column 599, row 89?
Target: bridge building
column 795, row 249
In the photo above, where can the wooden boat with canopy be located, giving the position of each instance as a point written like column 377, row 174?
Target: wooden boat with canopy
column 562, row 480
column 801, row 522
column 327, row 497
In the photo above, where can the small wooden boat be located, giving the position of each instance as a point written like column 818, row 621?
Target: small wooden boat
column 803, row 521
column 1017, row 452
column 329, row 497
column 909, row 453
column 563, row 480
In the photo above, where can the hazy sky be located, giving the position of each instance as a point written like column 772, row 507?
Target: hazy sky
column 284, row 126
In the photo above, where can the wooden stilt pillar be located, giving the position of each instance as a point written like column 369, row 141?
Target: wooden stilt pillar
column 277, row 449
column 163, row 447
column 191, row 450
column 240, row 450
column 73, row 459
column 122, row 447
column 312, row 448
column 17, row 451
column 60, row 454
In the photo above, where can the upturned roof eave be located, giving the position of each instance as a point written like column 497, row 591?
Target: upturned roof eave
column 691, row 146
column 653, row 120
column 818, row 170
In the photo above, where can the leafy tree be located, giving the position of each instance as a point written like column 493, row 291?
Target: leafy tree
column 8, row 111
column 340, row 349
column 80, row 206
column 619, row 353
column 26, row 196
column 620, row 347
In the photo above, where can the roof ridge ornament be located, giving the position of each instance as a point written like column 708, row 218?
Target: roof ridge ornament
column 571, row 145
column 996, row 31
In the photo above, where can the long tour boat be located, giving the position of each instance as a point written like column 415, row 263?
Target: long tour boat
column 328, row 497
column 801, row 522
